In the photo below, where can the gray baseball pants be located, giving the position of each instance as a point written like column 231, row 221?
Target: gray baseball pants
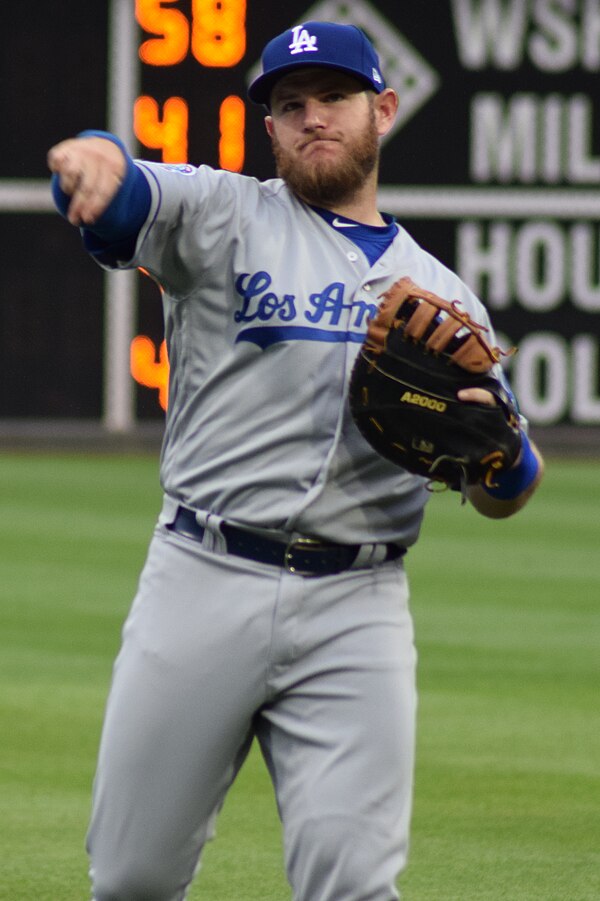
column 218, row 650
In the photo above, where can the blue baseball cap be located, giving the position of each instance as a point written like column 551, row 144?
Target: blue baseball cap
column 327, row 44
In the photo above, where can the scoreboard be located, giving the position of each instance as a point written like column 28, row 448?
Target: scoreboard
column 494, row 166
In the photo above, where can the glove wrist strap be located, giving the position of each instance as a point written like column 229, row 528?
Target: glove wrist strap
column 515, row 481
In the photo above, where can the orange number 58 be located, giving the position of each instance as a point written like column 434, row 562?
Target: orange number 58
column 217, row 36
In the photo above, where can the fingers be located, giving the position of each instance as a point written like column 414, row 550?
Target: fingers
column 93, row 190
column 90, row 171
column 477, row 396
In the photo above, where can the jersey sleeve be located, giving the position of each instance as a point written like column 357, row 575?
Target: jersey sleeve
column 196, row 217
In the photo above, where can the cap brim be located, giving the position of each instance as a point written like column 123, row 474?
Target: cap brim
column 260, row 89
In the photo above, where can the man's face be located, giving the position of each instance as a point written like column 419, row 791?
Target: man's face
column 324, row 133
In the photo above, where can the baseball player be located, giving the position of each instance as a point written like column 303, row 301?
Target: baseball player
column 273, row 604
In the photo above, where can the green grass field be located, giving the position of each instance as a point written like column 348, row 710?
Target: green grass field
column 507, row 794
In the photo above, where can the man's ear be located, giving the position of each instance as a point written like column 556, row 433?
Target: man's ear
column 269, row 125
column 386, row 106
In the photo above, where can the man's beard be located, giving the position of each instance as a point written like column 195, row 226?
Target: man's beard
column 330, row 182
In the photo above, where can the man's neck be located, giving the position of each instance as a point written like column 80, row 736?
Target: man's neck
column 361, row 206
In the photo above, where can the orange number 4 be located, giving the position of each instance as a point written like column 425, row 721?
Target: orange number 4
column 167, row 132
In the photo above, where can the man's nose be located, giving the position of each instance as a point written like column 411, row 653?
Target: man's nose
column 314, row 114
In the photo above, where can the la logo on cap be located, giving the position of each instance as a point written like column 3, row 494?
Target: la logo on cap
column 302, row 41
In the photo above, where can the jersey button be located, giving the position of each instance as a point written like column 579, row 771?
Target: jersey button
column 352, row 256
column 367, row 287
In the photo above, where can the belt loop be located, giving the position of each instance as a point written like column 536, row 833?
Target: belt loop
column 369, row 555
column 168, row 511
column 213, row 539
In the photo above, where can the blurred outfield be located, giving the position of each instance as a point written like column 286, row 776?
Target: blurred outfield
column 507, row 790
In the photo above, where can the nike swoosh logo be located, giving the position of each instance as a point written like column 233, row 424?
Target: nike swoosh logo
column 337, row 223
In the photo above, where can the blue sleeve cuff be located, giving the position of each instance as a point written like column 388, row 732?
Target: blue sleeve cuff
column 114, row 234
column 515, row 481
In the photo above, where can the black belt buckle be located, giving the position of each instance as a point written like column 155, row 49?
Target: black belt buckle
column 298, row 554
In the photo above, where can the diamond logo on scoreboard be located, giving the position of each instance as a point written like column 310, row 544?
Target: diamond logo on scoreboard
column 404, row 68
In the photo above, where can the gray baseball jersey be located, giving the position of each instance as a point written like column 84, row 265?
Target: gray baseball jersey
column 266, row 305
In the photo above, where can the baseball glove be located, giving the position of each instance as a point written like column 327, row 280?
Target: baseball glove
column 420, row 350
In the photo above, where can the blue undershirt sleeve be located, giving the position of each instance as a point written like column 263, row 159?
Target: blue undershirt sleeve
column 114, row 235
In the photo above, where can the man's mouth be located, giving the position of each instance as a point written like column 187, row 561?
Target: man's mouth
column 317, row 141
